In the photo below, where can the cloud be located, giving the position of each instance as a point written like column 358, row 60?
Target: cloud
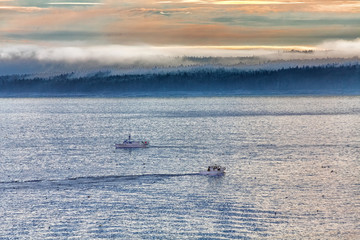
column 74, row 3
column 274, row 6
column 341, row 48
column 20, row 9
column 253, row 2
column 114, row 54
column 50, row 60
column 109, row 54
column 119, row 54
column 19, row 59
column 175, row 23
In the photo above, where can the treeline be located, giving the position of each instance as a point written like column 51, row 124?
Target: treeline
column 331, row 79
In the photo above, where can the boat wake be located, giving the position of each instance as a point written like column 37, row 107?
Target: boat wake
column 118, row 178
column 176, row 146
column 89, row 180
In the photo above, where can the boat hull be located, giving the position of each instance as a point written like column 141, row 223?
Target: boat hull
column 131, row 145
column 212, row 173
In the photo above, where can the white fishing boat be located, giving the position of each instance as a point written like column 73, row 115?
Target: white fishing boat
column 214, row 170
column 129, row 143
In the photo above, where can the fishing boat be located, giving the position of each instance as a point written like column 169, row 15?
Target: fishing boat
column 214, row 170
column 129, row 143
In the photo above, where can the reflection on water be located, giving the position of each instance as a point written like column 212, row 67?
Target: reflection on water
column 292, row 168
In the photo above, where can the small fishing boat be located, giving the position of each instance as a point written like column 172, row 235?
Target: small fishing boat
column 214, row 170
column 129, row 143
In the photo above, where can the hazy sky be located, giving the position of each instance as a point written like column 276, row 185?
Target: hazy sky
column 111, row 29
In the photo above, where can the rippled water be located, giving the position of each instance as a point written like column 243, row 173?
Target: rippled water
column 293, row 168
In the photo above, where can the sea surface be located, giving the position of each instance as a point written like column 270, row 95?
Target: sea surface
column 293, row 168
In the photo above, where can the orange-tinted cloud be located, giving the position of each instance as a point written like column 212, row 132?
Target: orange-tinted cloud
column 20, row 9
column 274, row 6
column 190, row 23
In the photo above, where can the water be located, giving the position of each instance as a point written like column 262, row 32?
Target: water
column 293, row 167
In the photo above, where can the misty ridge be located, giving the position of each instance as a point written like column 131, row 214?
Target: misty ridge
column 274, row 78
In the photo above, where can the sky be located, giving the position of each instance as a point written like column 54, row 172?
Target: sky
column 111, row 31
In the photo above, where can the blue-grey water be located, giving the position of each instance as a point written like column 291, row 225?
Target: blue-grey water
column 293, row 168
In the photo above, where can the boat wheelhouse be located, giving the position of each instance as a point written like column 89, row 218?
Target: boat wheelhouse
column 129, row 143
column 214, row 170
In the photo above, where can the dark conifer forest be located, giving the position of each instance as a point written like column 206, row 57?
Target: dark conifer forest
column 328, row 79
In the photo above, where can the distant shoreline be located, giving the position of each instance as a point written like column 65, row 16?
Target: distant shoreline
column 180, row 95
column 207, row 81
